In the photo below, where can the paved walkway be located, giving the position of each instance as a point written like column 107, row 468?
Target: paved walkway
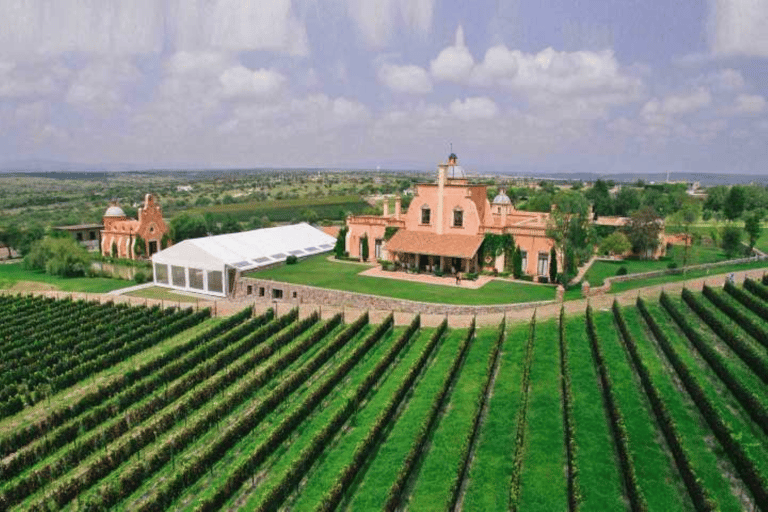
column 121, row 291
column 427, row 278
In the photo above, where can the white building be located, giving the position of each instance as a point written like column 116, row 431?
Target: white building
column 212, row 265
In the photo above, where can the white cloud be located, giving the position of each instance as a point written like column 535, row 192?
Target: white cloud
column 474, row 108
column 95, row 26
column 737, row 27
column 197, row 63
column 454, row 63
column 240, row 81
column 724, row 80
column 31, row 79
column 556, row 73
column 101, row 85
column 662, row 111
column 749, row 104
column 407, row 79
column 237, row 25
column 377, row 20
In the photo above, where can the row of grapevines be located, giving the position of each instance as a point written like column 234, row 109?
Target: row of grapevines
column 701, row 499
column 728, row 439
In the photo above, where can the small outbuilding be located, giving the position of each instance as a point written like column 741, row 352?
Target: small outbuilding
column 213, row 264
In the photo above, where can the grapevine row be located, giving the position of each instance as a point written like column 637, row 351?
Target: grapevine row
column 636, row 499
column 746, row 397
column 743, row 463
column 701, row 499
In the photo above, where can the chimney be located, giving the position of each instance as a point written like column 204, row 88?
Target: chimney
column 398, row 203
column 385, row 207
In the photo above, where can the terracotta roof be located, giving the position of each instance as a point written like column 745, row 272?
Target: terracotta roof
column 331, row 230
column 420, row 242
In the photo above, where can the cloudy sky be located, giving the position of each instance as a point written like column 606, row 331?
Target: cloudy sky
column 514, row 85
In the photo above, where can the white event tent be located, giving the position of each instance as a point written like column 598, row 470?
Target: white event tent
column 201, row 264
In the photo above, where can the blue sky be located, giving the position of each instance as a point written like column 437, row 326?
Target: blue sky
column 515, row 85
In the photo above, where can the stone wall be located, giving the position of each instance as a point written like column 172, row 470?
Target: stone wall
column 268, row 290
column 606, row 286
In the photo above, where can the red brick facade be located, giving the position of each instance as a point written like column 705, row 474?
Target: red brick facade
column 120, row 232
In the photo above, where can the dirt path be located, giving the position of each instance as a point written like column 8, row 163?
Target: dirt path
column 226, row 307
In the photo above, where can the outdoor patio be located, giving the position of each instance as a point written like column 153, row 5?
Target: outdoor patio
column 448, row 280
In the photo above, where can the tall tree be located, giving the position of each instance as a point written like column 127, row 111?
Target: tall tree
column 643, row 231
column 716, row 198
column 685, row 218
column 600, row 198
column 569, row 227
column 627, row 201
column 517, row 263
column 188, row 225
column 752, row 226
column 734, row 205
column 730, row 240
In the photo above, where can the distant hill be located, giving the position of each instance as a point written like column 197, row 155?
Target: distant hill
column 38, row 166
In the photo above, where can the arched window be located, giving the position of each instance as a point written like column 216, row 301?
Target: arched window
column 458, row 217
column 425, row 214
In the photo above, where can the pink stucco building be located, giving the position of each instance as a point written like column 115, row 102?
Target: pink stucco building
column 445, row 225
column 120, row 233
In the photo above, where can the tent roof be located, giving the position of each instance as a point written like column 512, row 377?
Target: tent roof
column 249, row 249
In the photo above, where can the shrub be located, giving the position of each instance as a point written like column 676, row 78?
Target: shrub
column 622, row 271
column 140, row 277
column 291, row 260
column 439, row 272
column 671, row 265
column 471, row 276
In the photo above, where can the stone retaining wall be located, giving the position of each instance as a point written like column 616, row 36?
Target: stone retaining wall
column 268, row 290
column 587, row 291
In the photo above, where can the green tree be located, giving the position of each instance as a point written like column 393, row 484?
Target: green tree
column 627, row 201
column 734, row 205
column 341, row 242
column 600, row 198
column 552, row 265
column 615, row 243
column 188, row 225
column 165, row 241
column 540, row 201
column 113, row 249
column 730, row 240
column 716, row 198
column 517, row 263
column 139, row 246
column 643, row 231
column 752, row 226
column 685, row 218
column 364, row 247
column 58, row 256
column 230, row 225
column 309, row 216
column 569, row 227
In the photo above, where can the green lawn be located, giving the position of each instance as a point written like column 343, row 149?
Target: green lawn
column 318, row 271
column 698, row 254
column 13, row 273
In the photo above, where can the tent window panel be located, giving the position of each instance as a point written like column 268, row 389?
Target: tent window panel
column 196, row 278
column 179, row 276
column 215, row 281
column 161, row 273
